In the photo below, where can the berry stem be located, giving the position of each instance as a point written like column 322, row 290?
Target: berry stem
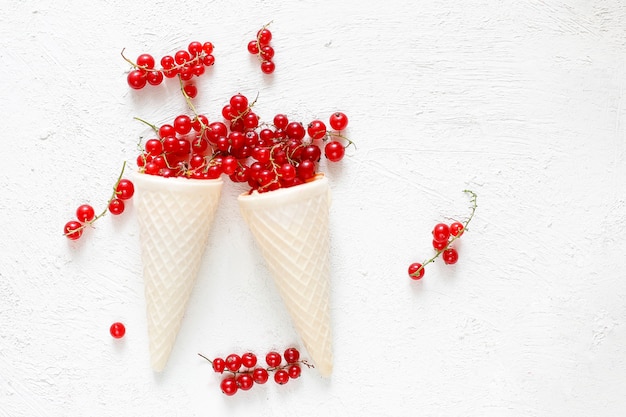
column 473, row 198
column 156, row 129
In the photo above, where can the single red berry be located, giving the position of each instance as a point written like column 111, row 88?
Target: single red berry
column 253, row 47
column 287, row 171
column 281, row 377
column 191, row 90
column 294, row 371
column 450, row 256
column 182, row 124
column 264, row 36
column 441, row 232
column 316, row 129
column 145, row 61
column 266, row 53
column 260, row 375
column 334, row 151
column 233, row 362
column 273, row 359
column 167, row 62
column 239, row 103
column 85, row 213
column 137, row 79
column 291, row 355
column 153, row 147
column 154, row 77
column 125, row 189
column 338, row 121
column 268, row 67
column 181, row 57
column 281, row 121
column 245, row 381
column 440, row 245
column 306, row 170
column 219, row 365
column 73, row 230
column 207, row 47
column 295, row 130
column 229, row 386
column 117, row 330
column 194, row 48
column 456, row 229
column 248, row 360
column 116, row 206
column 413, row 268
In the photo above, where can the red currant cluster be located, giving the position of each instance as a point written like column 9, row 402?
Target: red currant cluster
column 244, row 372
column 263, row 50
column 266, row 156
column 443, row 237
column 185, row 63
column 86, row 215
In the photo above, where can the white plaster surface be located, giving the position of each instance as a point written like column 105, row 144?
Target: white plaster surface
column 521, row 101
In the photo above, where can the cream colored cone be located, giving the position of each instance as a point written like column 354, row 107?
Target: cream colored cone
column 290, row 226
column 175, row 216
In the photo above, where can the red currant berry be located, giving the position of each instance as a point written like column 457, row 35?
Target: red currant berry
column 295, row 130
column 229, row 386
column 287, row 172
column 207, row 47
column 281, row 121
column 166, row 131
column 456, row 229
column 153, row 147
column 73, row 230
column 413, row 268
column 440, row 245
column 154, row 77
column 145, row 61
column 219, row 365
column 253, row 47
column 137, row 79
column 182, row 124
column 116, row 206
column 194, row 48
column 85, row 213
column 281, row 377
column 273, row 359
column 264, row 36
column 266, row 53
column 260, row 375
column 334, row 151
column 167, row 62
column 294, row 371
column 181, row 57
column 338, row 121
column 117, row 330
column 316, row 129
column 239, row 103
column 441, row 232
column 450, row 256
column 191, row 90
column 291, row 355
column 248, row 360
column 233, row 362
column 245, row 381
column 268, row 67
column 306, row 170
column 125, row 189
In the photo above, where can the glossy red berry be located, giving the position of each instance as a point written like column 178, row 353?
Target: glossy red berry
column 117, row 330
column 413, row 268
column 137, row 79
column 291, row 355
column 294, row 371
column 440, row 245
column 244, row 381
column 268, row 67
column 253, row 47
column 456, row 229
column 154, row 77
column 233, row 362
column 73, row 230
column 116, row 206
column 338, row 121
column 219, row 365
column 273, row 359
column 85, row 213
column 316, row 129
column 260, row 375
column 281, row 376
column 441, row 232
column 450, row 256
column 229, row 385
column 334, row 151
column 125, row 189
column 145, row 61
column 264, row 36
column 281, row 121
column 248, row 360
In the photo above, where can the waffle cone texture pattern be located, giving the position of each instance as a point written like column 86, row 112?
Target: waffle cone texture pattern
column 175, row 216
column 290, row 226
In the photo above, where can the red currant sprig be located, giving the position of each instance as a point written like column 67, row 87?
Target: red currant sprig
column 243, row 371
column 185, row 63
column 443, row 237
column 263, row 50
column 122, row 190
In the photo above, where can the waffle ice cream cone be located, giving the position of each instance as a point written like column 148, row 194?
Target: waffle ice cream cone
column 290, row 226
column 174, row 216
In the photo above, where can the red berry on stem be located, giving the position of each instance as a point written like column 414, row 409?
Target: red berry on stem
column 441, row 232
column 239, row 103
column 294, row 371
column 245, row 381
column 413, row 268
column 219, row 365
column 117, row 330
column 281, row 376
column 154, row 77
column 233, row 362
column 440, row 245
column 264, row 36
column 191, row 90
column 268, row 67
column 281, row 121
column 450, row 256
column 116, row 206
column 145, row 61
column 316, row 129
column 253, row 47
column 338, row 121
column 73, row 230
column 334, row 151
column 229, row 385
column 456, row 229
column 85, row 213
column 273, row 359
column 260, row 375
column 292, row 355
column 137, row 79
column 125, row 189
column 266, row 53
column 249, row 360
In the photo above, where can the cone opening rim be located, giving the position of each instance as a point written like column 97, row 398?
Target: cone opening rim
column 156, row 182
column 285, row 195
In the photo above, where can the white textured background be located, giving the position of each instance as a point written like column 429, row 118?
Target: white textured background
column 521, row 101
